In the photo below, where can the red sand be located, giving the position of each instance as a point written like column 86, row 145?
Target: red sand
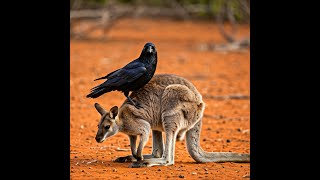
column 213, row 73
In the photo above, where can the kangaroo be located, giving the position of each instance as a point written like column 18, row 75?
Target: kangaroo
column 171, row 104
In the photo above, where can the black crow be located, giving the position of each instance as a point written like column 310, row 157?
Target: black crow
column 131, row 77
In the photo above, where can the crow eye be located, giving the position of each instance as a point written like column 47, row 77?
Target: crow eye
column 107, row 127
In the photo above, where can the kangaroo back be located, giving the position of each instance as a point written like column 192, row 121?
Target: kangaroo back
column 165, row 92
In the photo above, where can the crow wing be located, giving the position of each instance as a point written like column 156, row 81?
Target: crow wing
column 131, row 65
column 127, row 74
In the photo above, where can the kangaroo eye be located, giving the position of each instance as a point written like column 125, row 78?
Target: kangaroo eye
column 107, row 127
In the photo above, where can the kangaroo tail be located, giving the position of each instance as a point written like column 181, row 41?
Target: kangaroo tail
column 199, row 155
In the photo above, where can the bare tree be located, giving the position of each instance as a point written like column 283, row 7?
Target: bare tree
column 226, row 11
column 106, row 15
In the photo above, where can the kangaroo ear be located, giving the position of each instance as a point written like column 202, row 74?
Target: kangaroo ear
column 113, row 112
column 100, row 109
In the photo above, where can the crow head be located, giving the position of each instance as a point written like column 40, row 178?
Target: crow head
column 149, row 48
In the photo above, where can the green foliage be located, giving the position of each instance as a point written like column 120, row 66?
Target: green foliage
column 211, row 8
column 125, row 1
column 216, row 6
column 95, row 2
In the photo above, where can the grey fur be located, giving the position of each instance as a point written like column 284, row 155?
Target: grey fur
column 171, row 104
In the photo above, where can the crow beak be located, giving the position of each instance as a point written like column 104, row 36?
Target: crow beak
column 150, row 49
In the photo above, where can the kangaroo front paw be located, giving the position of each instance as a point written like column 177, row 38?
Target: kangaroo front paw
column 138, row 105
column 125, row 159
column 135, row 103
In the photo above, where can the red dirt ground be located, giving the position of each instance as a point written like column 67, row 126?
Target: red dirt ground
column 213, row 73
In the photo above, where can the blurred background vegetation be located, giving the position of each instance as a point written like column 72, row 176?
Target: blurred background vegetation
column 239, row 9
column 104, row 13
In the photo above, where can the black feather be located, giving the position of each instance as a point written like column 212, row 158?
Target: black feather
column 131, row 77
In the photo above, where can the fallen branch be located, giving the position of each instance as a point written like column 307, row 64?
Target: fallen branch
column 236, row 96
column 218, row 117
column 232, row 46
column 236, row 46
column 120, row 149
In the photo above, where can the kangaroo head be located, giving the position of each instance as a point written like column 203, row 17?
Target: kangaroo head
column 107, row 126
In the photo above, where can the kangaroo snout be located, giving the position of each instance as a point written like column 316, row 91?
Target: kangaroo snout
column 99, row 139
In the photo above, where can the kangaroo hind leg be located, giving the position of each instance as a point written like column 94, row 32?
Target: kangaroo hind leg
column 167, row 159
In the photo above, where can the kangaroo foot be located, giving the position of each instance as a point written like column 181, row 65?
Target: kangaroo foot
column 125, row 159
column 150, row 162
column 130, row 158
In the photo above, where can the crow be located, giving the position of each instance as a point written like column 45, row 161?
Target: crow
column 131, row 77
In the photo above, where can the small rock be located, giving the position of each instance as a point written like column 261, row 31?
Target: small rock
column 159, row 169
column 145, row 173
column 206, row 172
column 205, row 169
column 114, row 170
column 90, row 168
column 246, row 176
column 75, row 156
column 147, row 178
column 181, row 176
column 246, row 131
column 72, row 171
column 193, row 173
column 82, row 170
column 137, row 173
column 228, row 140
